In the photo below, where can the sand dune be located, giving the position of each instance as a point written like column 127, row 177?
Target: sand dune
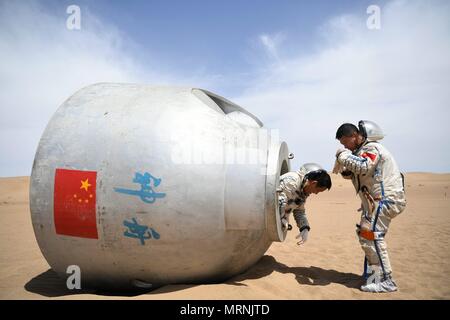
column 328, row 266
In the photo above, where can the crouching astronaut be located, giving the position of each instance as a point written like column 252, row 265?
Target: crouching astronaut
column 295, row 187
column 380, row 185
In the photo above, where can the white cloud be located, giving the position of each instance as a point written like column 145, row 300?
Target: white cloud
column 43, row 63
column 271, row 43
column 397, row 76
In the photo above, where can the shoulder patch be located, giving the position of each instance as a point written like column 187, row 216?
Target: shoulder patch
column 369, row 155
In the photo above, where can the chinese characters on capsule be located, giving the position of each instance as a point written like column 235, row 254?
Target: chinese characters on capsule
column 147, row 183
column 147, row 194
column 141, row 232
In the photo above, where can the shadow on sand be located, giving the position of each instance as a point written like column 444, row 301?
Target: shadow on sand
column 49, row 284
column 313, row 276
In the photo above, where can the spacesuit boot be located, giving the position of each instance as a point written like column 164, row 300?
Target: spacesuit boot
column 377, row 283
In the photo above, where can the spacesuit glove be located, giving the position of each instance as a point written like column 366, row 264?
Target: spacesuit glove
column 341, row 150
column 338, row 168
column 303, row 235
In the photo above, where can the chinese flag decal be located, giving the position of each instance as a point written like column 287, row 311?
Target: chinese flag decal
column 369, row 155
column 74, row 203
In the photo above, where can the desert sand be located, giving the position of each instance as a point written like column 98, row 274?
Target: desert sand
column 328, row 266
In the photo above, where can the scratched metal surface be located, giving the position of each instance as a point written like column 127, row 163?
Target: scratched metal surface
column 163, row 214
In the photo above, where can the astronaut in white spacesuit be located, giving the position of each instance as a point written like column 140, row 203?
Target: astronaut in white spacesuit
column 295, row 187
column 380, row 185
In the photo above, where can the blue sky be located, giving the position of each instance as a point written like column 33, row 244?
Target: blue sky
column 212, row 37
column 302, row 67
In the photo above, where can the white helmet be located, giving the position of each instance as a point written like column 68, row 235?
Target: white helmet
column 309, row 167
column 370, row 130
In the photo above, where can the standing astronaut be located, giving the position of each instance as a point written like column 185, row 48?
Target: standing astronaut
column 295, row 187
column 380, row 185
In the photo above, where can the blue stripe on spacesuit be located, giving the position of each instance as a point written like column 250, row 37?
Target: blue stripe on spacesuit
column 365, row 268
column 380, row 205
column 379, row 257
column 374, row 229
column 356, row 158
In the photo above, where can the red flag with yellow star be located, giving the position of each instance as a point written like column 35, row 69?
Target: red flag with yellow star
column 74, row 203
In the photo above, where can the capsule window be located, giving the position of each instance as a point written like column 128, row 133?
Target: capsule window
column 225, row 106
